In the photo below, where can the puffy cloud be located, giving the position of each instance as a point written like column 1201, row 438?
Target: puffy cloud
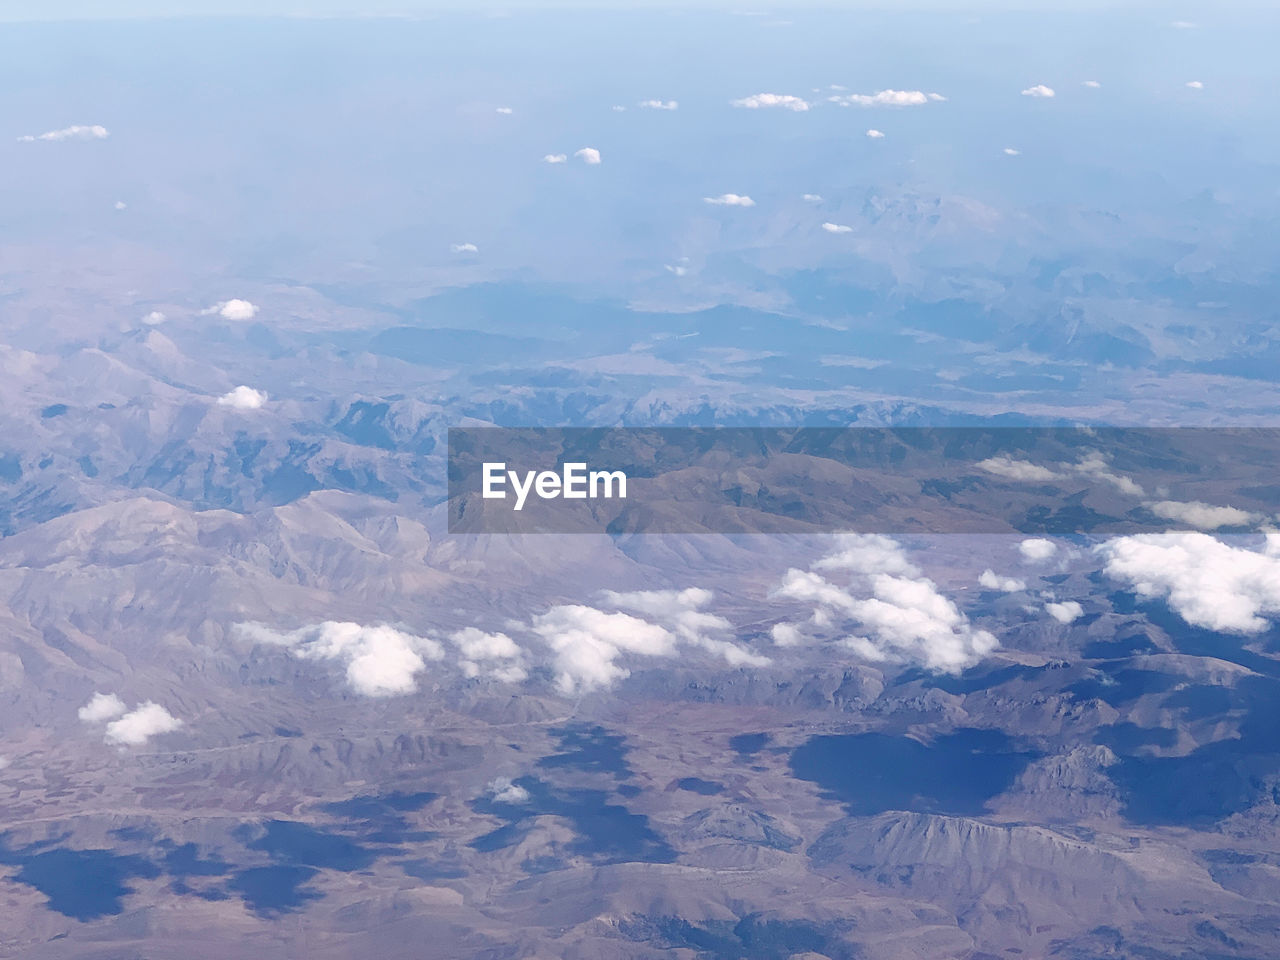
column 505, row 111
column 681, row 612
column 101, row 708
column 730, row 200
column 1206, row 581
column 764, row 101
column 153, row 318
column 905, row 618
column 141, row 724
column 1040, row 92
column 588, row 642
column 493, row 655
column 993, row 581
column 875, row 134
column 121, row 205
column 1037, row 549
column 75, row 132
column 1020, row 470
column 679, row 269
column 837, row 228
column 1195, row 84
column 555, row 158
column 243, row 398
column 464, row 248
column 1091, row 84
column 234, row 310
column 588, row 155
column 1096, row 466
column 887, row 98
column 1012, row 152
column 1203, row 515
column 811, row 197
column 1068, row 611
column 502, row 790
column 659, row 105
column 381, row 661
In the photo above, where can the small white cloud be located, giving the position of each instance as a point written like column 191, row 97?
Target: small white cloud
column 1012, row 152
column 76, row 132
column 154, row 318
column 811, row 197
column 681, row 612
column 1184, row 25
column 837, row 228
column 993, row 581
column 1020, row 470
column 493, row 655
column 464, row 248
column 1068, row 611
column 678, row 269
column 1037, row 549
column 1203, row 516
column 765, row 101
column 502, row 790
column 618, row 108
column 887, row 98
column 1195, row 85
column 121, row 205
column 243, row 398
column 101, row 708
column 555, row 158
column 141, row 724
column 875, row 134
column 730, row 200
column 505, row 111
column 381, row 661
column 659, row 105
column 588, row 155
column 233, row 309
column 1092, row 84
column 1040, row 92
column 587, row 644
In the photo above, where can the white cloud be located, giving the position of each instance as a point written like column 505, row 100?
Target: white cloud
column 1012, row 152
column 837, row 228
column 555, row 158
column 875, row 134
column 618, row 108
column 493, row 655
column 502, row 790
column 1039, row 91
column 1184, row 25
column 1207, row 582
column 1203, row 515
column 233, row 309
column 993, row 581
column 505, row 111
column 1095, row 465
column 4, row 762
column 887, row 98
column 1068, row 611
column 153, row 318
column 101, row 708
column 905, row 618
column 1092, row 84
column 681, row 612
column 243, row 398
column 811, row 197
column 730, row 200
column 464, row 248
column 121, row 205
column 659, row 105
column 75, row 132
column 588, row 642
column 588, row 155
column 381, row 661
column 1037, row 549
column 141, row 724
column 764, row 101
column 678, row 269
column 1195, row 85
column 1020, row 470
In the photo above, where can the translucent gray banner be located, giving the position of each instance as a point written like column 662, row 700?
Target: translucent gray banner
column 1028, row 480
